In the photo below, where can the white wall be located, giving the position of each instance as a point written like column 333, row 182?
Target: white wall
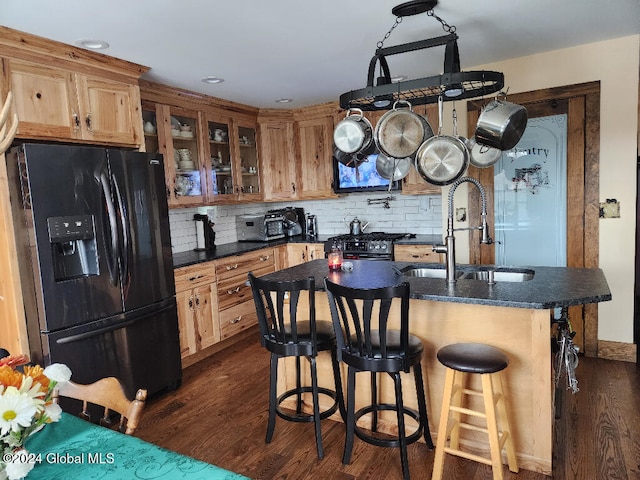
column 615, row 63
column 419, row 214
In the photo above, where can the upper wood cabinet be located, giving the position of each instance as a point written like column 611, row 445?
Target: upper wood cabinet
column 60, row 104
column 220, row 145
column 315, row 157
column 297, row 152
column 277, row 150
column 69, row 94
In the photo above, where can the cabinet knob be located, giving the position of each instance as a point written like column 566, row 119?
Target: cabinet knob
column 191, row 303
column 87, row 120
column 195, row 277
column 197, row 301
column 237, row 319
column 264, row 258
column 234, row 291
column 231, row 267
column 76, row 121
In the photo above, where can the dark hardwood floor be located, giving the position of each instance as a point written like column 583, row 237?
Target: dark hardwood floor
column 219, row 415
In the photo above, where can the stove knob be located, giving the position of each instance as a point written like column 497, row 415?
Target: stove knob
column 384, row 246
column 377, row 247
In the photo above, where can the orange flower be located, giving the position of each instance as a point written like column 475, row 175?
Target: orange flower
column 9, row 377
column 38, row 376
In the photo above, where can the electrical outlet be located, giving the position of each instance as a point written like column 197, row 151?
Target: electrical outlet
column 610, row 208
column 461, row 214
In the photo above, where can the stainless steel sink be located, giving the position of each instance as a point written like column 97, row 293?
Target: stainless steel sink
column 500, row 275
column 425, row 272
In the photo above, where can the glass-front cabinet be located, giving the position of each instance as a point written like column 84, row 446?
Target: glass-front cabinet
column 221, row 176
column 175, row 133
column 183, row 151
column 248, row 156
column 233, row 159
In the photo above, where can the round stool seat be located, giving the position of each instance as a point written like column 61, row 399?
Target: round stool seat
column 473, row 358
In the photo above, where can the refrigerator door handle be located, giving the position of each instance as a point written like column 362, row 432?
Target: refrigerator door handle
column 99, row 331
column 111, row 212
column 124, row 225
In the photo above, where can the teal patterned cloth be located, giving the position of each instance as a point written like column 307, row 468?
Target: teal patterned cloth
column 75, row 449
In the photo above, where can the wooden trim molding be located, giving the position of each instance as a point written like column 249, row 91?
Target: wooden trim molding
column 624, row 352
column 17, row 44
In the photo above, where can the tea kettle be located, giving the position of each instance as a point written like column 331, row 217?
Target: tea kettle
column 356, row 227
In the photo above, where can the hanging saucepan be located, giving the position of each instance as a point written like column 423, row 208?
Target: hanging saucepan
column 501, row 124
column 354, row 133
column 482, row 156
column 392, row 168
column 400, row 132
column 442, row 159
column 348, row 159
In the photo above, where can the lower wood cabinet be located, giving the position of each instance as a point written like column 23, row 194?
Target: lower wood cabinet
column 197, row 301
column 298, row 253
column 237, row 311
column 416, row 253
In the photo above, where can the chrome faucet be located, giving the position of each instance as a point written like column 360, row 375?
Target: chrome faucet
column 449, row 248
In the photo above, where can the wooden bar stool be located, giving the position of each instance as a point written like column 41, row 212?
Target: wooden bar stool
column 488, row 361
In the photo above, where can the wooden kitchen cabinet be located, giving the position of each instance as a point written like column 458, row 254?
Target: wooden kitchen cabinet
column 59, row 104
column 298, row 253
column 233, row 167
column 277, row 150
column 186, row 182
column 237, row 310
column 196, row 297
column 416, row 253
column 315, row 157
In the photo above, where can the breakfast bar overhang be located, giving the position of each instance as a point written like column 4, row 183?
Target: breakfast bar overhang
column 514, row 316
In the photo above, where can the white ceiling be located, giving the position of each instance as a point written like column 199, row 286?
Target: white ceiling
column 311, row 51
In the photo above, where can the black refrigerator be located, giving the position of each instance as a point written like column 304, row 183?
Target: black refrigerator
column 96, row 269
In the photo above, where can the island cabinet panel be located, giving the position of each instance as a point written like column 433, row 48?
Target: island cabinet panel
column 523, row 334
column 196, row 297
column 60, row 104
column 416, row 253
column 237, row 311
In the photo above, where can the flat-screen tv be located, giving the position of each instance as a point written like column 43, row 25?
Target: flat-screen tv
column 345, row 179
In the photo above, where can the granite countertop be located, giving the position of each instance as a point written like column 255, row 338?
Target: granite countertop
column 192, row 257
column 420, row 240
column 550, row 287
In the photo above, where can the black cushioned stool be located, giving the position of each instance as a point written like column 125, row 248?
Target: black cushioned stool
column 366, row 343
column 285, row 335
column 488, row 361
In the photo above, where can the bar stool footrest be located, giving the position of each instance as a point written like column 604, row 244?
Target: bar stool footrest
column 387, row 442
column 303, row 416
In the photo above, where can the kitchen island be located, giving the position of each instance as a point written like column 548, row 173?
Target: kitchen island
column 513, row 316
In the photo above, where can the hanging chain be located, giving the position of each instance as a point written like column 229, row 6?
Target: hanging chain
column 445, row 26
column 388, row 34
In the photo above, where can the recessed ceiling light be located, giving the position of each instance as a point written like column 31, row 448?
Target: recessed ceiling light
column 284, row 100
column 92, row 44
column 398, row 78
column 212, row 79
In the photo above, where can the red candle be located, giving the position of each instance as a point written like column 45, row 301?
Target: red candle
column 335, row 259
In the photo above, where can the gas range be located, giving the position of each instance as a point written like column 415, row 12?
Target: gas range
column 371, row 246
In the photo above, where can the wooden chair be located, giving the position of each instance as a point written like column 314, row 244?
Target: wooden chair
column 107, row 393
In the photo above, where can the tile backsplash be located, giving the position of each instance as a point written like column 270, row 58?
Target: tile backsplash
column 419, row 214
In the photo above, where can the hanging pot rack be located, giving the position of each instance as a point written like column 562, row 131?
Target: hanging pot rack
column 453, row 84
